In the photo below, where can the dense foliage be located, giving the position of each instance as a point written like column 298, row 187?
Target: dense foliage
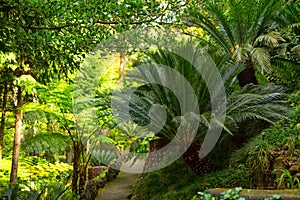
column 56, row 89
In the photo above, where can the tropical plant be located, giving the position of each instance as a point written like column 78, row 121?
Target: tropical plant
column 246, row 30
column 48, row 40
column 230, row 194
column 103, row 157
column 52, row 192
column 292, row 182
column 286, row 56
column 56, row 123
column 264, row 102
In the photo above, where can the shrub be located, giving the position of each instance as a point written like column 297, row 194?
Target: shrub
column 177, row 182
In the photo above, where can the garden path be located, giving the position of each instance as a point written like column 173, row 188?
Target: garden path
column 121, row 187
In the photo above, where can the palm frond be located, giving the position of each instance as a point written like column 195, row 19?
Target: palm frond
column 265, row 15
column 200, row 20
column 262, row 57
column 270, row 39
column 265, row 102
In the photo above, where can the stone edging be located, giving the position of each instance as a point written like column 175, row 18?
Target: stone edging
column 93, row 186
column 217, row 192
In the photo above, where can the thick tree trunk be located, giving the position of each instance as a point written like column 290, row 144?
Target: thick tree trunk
column 122, row 67
column 17, row 138
column 153, row 160
column 198, row 165
column 2, row 125
column 247, row 76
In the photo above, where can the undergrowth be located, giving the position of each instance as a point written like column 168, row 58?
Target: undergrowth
column 176, row 181
column 34, row 174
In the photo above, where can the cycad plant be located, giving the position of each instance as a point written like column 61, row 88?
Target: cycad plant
column 263, row 102
column 245, row 30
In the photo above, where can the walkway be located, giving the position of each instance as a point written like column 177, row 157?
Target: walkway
column 119, row 188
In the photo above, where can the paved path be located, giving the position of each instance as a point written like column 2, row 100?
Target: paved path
column 119, row 188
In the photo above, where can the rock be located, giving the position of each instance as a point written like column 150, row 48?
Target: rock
column 294, row 169
column 90, row 192
column 93, row 186
column 111, row 174
column 95, row 171
column 297, row 175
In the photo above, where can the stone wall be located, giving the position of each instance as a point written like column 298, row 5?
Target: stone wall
column 93, row 186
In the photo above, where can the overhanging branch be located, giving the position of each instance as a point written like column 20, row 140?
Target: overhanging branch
column 96, row 22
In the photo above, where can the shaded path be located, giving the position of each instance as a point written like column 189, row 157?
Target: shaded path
column 119, row 188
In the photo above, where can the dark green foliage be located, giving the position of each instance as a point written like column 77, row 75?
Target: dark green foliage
column 262, row 102
column 177, row 182
column 271, row 139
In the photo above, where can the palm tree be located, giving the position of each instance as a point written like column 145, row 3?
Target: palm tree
column 263, row 102
column 246, row 30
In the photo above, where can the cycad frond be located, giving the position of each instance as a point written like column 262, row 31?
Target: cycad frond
column 270, row 39
column 296, row 51
column 262, row 57
column 235, row 24
column 200, row 20
column 264, row 17
column 295, row 25
column 265, row 102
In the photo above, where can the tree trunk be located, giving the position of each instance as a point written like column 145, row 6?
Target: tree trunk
column 198, row 165
column 153, row 160
column 2, row 125
column 76, row 165
column 122, row 67
column 69, row 155
column 247, row 76
column 82, row 178
column 17, row 138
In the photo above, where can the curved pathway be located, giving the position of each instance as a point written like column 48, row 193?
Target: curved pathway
column 119, row 188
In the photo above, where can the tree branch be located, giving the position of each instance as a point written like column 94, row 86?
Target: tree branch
column 96, row 22
column 76, row 24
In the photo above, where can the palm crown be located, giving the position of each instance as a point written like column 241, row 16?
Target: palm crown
column 246, row 30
